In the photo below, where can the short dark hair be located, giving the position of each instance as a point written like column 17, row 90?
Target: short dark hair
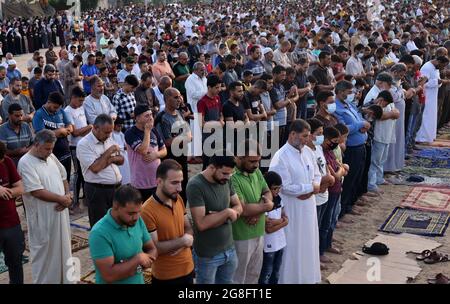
column 314, row 123
column 322, row 96
column 146, row 76
column 78, row 92
column 343, row 85
column 407, row 59
column 324, row 54
column 56, row 97
column 14, row 107
column 229, row 58
column 127, row 194
column 223, row 159
column 359, row 47
column 222, row 66
column 78, row 57
column 247, row 73
column 331, row 132
column 132, row 80
column 377, row 111
column 266, row 77
column 298, row 126
column 273, row 179
column 278, row 70
column 234, row 85
column 103, row 119
column 213, row 80
column 254, row 48
column 386, row 95
column 24, row 78
column 166, row 166
column 343, row 129
column 37, row 70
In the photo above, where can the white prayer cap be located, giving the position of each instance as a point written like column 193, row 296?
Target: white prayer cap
column 396, row 42
column 417, row 60
column 11, row 62
column 266, row 50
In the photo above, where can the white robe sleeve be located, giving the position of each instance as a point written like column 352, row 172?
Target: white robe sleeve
column 290, row 186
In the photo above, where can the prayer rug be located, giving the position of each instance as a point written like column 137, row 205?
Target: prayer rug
column 422, row 171
column 429, row 199
column 4, row 268
column 78, row 243
column 428, row 181
column 432, row 158
column 426, row 223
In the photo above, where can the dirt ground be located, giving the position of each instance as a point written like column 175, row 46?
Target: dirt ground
column 351, row 236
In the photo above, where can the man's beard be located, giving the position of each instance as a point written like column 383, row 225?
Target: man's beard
column 220, row 181
column 172, row 196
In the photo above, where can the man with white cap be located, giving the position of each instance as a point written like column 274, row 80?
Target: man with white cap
column 12, row 71
column 268, row 62
column 396, row 44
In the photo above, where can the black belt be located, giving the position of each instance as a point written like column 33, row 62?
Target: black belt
column 103, row 186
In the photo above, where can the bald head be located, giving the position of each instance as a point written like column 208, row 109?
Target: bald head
column 170, row 92
column 164, row 83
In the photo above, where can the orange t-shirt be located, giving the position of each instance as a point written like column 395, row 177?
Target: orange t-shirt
column 169, row 224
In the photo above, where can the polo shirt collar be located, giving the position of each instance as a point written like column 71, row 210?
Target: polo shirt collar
column 158, row 200
column 112, row 222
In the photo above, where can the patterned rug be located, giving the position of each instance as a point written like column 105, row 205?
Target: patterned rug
column 78, row 243
column 89, row 278
column 422, row 171
column 4, row 268
column 428, row 180
column 428, row 199
column 432, row 158
column 426, row 223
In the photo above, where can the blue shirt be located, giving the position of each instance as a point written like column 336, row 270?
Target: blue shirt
column 88, row 70
column 15, row 140
column 13, row 74
column 42, row 89
column 348, row 114
column 109, row 239
column 45, row 120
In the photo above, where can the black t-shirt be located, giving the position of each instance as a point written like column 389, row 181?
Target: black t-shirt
column 322, row 76
column 252, row 102
column 229, row 109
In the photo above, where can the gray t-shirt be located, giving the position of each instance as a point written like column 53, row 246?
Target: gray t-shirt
column 23, row 101
column 215, row 198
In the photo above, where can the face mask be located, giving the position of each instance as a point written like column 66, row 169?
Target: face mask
column 360, row 55
column 354, row 82
column 319, row 140
column 333, row 145
column 350, row 98
column 331, row 108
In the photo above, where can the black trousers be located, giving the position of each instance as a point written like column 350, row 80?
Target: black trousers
column 147, row 193
column 67, row 163
column 355, row 157
column 99, row 199
column 362, row 186
column 186, row 280
column 12, row 244
column 78, row 175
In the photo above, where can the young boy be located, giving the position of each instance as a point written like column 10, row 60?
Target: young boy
column 119, row 138
column 25, row 89
column 274, row 239
column 383, row 135
column 338, row 154
column 310, row 99
column 247, row 78
column 331, row 141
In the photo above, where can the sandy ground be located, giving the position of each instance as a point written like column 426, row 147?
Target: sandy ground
column 352, row 236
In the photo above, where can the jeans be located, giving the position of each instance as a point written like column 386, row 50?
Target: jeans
column 218, row 269
column 414, row 122
column 355, row 157
column 378, row 158
column 270, row 271
column 325, row 225
column 12, row 243
column 320, row 213
column 336, row 212
column 78, row 181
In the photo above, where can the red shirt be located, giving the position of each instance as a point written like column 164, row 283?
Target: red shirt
column 210, row 108
column 8, row 176
column 331, row 160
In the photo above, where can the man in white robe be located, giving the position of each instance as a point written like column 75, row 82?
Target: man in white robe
column 46, row 200
column 428, row 130
column 294, row 162
column 195, row 89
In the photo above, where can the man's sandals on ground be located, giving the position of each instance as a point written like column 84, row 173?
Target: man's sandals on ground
column 439, row 279
column 432, row 257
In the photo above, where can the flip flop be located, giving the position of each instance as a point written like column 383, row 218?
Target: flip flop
column 436, row 257
column 439, row 279
column 425, row 254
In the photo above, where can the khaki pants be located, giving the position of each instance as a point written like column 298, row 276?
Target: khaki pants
column 250, row 259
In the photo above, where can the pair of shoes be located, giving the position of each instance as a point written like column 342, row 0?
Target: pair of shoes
column 439, row 279
column 334, row 250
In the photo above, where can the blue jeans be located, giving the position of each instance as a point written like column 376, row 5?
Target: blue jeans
column 414, row 122
column 320, row 212
column 218, row 269
column 325, row 225
column 378, row 158
column 270, row 271
column 336, row 212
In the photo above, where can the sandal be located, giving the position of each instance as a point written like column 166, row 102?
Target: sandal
column 425, row 254
column 436, row 257
column 439, row 279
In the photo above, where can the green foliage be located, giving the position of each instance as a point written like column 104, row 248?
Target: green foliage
column 59, row 4
column 88, row 4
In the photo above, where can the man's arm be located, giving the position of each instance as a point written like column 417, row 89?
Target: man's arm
column 264, row 205
column 105, row 160
column 205, row 221
column 111, row 272
column 172, row 246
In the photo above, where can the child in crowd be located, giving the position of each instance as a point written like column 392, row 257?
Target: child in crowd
column 247, row 78
column 383, row 135
column 119, row 138
column 25, row 90
column 274, row 239
column 310, row 99
column 339, row 155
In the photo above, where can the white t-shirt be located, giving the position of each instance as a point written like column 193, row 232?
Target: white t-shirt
column 384, row 130
column 321, row 198
column 78, row 118
column 277, row 240
column 119, row 138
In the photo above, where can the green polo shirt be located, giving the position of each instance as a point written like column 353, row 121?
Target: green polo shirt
column 107, row 238
column 249, row 188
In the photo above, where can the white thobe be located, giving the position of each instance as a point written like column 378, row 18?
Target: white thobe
column 195, row 89
column 48, row 230
column 298, row 170
column 428, row 129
